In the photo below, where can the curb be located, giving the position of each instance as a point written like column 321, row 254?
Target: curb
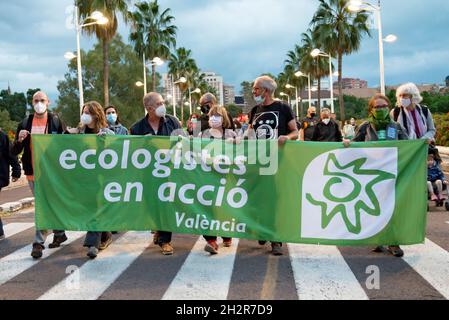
column 11, row 207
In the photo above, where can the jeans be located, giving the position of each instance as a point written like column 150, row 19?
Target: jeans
column 41, row 235
column 2, row 232
column 94, row 239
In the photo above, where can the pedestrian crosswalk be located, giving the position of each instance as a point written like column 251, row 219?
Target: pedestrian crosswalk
column 317, row 272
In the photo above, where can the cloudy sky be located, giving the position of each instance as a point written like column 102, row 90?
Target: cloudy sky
column 239, row 39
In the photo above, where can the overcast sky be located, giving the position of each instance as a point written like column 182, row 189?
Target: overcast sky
column 238, row 39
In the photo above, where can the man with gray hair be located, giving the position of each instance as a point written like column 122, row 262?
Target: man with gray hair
column 327, row 129
column 40, row 122
column 272, row 120
column 157, row 123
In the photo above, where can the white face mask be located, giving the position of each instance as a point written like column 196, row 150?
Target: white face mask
column 259, row 99
column 216, row 122
column 86, row 119
column 326, row 121
column 40, row 107
column 406, row 102
column 161, row 111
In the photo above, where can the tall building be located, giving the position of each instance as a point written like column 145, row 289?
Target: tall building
column 351, row 83
column 215, row 81
column 229, row 94
column 168, row 88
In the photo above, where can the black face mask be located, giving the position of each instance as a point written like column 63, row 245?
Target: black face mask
column 312, row 115
column 205, row 108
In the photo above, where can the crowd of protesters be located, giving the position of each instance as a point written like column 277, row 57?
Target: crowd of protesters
column 269, row 119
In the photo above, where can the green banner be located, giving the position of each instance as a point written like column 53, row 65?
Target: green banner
column 318, row 193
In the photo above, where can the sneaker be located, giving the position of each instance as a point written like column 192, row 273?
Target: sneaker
column 105, row 244
column 211, row 247
column 36, row 253
column 378, row 249
column 433, row 197
column 276, row 249
column 92, row 252
column 2, row 237
column 167, row 249
column 396, row 251
column 262, row 242
column 227, row 242
column 57, row 241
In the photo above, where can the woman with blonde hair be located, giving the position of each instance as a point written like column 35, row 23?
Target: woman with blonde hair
column 93, row 121
column 220, row 128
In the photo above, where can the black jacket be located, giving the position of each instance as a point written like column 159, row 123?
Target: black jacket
column 167, row 125
column 54, row 126
column 327, row 133
column 7, row 160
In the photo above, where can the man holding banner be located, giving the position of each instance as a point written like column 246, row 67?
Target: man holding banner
column 157, row 123
column 271, row 120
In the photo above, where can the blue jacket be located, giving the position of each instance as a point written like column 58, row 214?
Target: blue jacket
column 435, row 173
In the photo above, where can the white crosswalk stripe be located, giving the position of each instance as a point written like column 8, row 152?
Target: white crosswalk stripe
column 321, row 273
column 432, row 263
column 21, row 260
column 95, row 276
column 202, row 276
column 12, row 229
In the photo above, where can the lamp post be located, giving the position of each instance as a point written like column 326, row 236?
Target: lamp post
column 309, row 88
column 289, row 86
column 181, row 80
column 358, row 5
column 283, row 94
column 197, row 90
column 316, row 53
column 100, row 19
column 155, row 62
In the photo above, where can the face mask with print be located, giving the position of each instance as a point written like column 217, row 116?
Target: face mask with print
column 216, row 122
column 40, row 107
column 161, row 111
column 86, row 119
column 111, row 118
column 326, row 121
column 406, row 102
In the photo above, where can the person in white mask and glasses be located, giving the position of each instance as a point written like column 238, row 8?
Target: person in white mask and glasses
column 157, row 123
column 327, row 129
column 41, row 121
column 412, row 115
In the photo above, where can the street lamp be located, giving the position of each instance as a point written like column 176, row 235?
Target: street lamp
column 197, row 90
column 155, row 62
column 99, row 19
column 289, row 86
column 283, row 94
column 139, row 84
column 318, row 53
column 301, row 74
column 357, row 6
column 181, row 80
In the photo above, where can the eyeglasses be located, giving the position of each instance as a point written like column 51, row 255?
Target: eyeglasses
column 41, row 100
column 381, row 106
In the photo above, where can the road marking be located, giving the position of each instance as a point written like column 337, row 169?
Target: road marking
column 431, row 262
column 95, row 276
column 202, row 276
column 21, row 260
column 447, row 222
column 271, row 277
column 16, row 227
column 321, row 273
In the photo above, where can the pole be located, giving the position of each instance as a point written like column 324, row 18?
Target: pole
column 331, row 84
column 381, row 52
column 310, row 91
column 173, row 96
column 144, row 76
column 190, row 101
column 78, row 58
column 297, row 104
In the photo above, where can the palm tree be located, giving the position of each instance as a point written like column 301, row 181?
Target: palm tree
column 153, row 33
column 340, row 32
column 183, row 65
column 105, row 33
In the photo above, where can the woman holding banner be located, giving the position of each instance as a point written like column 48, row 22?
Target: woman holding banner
column 220, row 128
column 380, row 127
column 93, row 121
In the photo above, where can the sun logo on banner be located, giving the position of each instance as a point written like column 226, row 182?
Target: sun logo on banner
column 337, row 177
column 349, row 194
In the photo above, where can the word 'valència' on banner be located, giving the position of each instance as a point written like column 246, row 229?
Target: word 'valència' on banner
column 302, row 192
